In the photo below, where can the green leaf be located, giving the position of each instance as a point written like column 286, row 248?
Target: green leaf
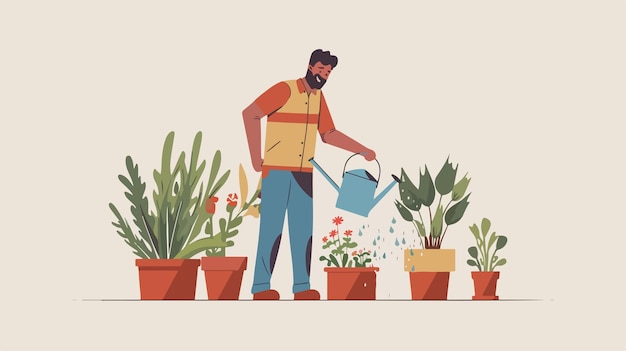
column 408, row 193
column 322, row 258
column 426, row 190
column 222, row 225
column 455, row 213
column 235, row 222
column 437, row 224
column 333, row 259
column 502, row 240
column 444, row 181
column 404, row 212
column 200, row 245
column 459, row 188
column 472, row 263
column 492, row 240
column 344, row 259
column 421, row 229
column 473, row 251
column 501, row 262
column 485, row 225
column 230, row 234
column 474, row 229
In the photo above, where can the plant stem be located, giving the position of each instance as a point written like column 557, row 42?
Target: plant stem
column 418, row 234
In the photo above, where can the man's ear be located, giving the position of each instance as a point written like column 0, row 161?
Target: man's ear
column 310, row 68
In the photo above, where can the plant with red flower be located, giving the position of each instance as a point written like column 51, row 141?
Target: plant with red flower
column 217, row 241
column 338, row 247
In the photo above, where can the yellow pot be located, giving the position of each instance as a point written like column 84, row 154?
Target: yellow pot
column 429, row 260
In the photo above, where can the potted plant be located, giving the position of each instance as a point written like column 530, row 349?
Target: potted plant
column 485, row 258
column 429, row 267
column 223, row 274
column 164, row 231
column 351, row 278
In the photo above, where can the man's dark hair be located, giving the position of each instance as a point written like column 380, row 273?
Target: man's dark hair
column 324, row 57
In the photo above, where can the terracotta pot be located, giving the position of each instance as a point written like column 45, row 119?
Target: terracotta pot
column 223, row 276
column 485, row 285
column 429, row 285
column 167, row 279
column 357, row 283
column 429, row 272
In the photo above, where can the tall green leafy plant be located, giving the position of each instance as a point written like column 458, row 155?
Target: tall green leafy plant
column 484, row 254
column 178, row 199
column 417, row 203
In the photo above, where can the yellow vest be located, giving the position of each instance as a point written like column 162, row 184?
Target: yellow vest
column 291, row 132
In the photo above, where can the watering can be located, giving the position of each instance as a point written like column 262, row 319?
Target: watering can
column 356, row 194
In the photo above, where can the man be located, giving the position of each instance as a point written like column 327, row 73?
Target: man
column 296, row 111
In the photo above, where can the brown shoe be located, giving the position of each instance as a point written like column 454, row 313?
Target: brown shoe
column 307, row 295
column 267, row 295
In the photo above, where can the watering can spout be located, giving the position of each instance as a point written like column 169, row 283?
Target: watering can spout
column 330, row 180
column 386, row 190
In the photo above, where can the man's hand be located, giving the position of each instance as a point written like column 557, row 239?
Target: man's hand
column 369, row 154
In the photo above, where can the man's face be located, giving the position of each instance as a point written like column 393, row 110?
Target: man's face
column 317, row 75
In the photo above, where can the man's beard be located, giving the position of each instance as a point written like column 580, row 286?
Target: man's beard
column 315, row 81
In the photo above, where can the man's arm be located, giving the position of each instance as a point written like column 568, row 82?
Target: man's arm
column 252, row 122
column 271, row 100
column 340, row 140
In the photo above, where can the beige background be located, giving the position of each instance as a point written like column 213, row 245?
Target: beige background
column 526, row 96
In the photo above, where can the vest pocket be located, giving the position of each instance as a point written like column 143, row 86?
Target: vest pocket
column 273, row 146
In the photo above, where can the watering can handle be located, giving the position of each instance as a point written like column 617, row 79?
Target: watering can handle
column 345, row 164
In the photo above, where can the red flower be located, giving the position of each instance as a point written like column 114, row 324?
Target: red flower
column 348, row 232
column 210, row 204
column 325, row 239
column 232, row 200
column 338, row 220
column 333, row 233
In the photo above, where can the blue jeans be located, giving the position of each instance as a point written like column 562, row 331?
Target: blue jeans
column 285, row 192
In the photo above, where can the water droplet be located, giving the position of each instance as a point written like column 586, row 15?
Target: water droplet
column 360, row 232
column 363, row 226
column 397, row 242
column 374, row 243
column 384, row 255
column 378, row 237
column 412, row 268
column 411, row 251
column 403, row 241
column 374, row 253
column 390, row 229
column 393, row 220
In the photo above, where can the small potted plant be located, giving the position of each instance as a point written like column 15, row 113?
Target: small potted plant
column 349, row 277
column 429, row 267
column 163, row 232
column 485, row 258
column 223, row 274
